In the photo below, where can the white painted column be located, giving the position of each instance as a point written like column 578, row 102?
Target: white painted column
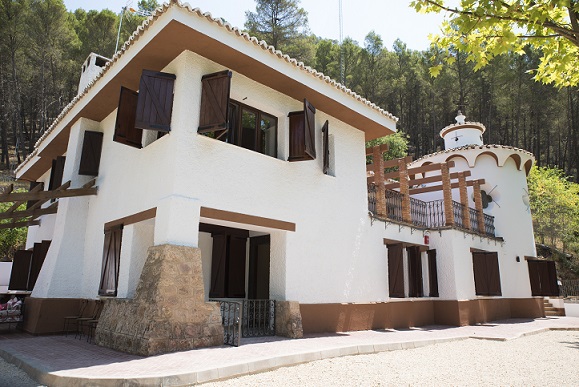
column 177, row 221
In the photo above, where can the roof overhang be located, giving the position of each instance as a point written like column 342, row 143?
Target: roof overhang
column 178, row 29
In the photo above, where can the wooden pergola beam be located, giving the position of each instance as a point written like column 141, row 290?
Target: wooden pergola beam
column 61, row 192
column 390, row 163
column 19, row 224
column 422, row 169
column 434, row 188
column 425, row 180
column 33, row 213
column 19, row 203
column 382, row 148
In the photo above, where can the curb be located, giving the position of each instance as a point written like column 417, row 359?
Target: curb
column 245, row 368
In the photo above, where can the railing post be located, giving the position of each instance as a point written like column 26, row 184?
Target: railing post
column 378, row 163
column 464, row 200
column 447, row 192
column 479, row 207
column 404, row 190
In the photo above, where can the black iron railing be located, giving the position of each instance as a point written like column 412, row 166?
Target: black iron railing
column 246, row 318
column 231, row 321
column 429, row 214
column 258, row 318
column 489, row 225
column 473, row 214
column 394, row 205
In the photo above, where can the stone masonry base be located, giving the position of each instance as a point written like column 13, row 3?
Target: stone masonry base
column 168, row 313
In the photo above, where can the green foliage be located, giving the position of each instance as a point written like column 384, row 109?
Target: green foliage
column 397, row 145
column 554, row 202
column 282, row 24
column 11, row 239
column 485, row 29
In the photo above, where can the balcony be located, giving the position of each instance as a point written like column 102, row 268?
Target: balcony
column 391, row 186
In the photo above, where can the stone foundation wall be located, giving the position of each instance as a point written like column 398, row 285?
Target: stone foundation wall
column 168, row 313
column 288, row 319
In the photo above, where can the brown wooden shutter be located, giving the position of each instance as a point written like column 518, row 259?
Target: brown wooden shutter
column 310, row 129
column 494, row 277
column 218, row 266
column 155, row 101
column 38, row 255
column 432, row 273
column 553, row 287
column 91, row 153
column 125, row 130
column 56, row 173
column 395, row 271
column 20, row 270
column 415, row 281
column 326, row 138
column 111, row 260
column 215, row 89
column 236, row 269
column 534, row 277
column 480, row 273
column 33, row 184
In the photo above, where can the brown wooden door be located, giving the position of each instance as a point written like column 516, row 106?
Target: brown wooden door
column 543, row 278
column 415, row 281
column 259, row 264
column 395, row 271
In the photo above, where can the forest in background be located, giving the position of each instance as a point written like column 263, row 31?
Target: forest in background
column 43, row 46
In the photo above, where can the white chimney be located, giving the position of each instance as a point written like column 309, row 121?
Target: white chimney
column 91, row 68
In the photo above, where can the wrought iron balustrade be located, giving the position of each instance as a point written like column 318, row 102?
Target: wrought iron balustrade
column 394, row 205
column 429, row 214
column 489, row 225
column 246, row 318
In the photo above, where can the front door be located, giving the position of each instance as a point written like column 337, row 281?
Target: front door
column 258, row 281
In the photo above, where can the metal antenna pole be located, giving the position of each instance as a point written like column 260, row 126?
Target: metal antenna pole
column 341, row 45
column 120, row 25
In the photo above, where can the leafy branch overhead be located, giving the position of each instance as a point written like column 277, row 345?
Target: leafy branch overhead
column 486, row 29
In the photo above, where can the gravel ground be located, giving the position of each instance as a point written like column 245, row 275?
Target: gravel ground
column 546, row 359
column 12, row 376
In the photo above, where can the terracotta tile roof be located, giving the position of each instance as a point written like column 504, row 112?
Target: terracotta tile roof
column 243, row 35
column 468, row 147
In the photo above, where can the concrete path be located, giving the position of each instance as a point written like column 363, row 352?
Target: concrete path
column 65, row 361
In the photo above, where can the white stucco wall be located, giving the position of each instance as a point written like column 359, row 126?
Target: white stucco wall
column 5, row 271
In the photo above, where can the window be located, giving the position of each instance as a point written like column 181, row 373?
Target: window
column 326, row 142
column 415, row 285
column 395, row 271
column 302, row 133
column 487, row 280
column 56, row 173
column 149, row 109
column 543, row 277
column 233, row 122
column 111, row 259
column 91, row 153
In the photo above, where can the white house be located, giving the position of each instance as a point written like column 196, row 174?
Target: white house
column 227, row 170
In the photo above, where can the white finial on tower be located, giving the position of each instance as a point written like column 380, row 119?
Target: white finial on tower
column 460, row 118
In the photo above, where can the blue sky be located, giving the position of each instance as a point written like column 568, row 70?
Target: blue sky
column 391, row 19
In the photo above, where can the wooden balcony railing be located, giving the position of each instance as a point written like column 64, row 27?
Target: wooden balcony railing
column 391, row 185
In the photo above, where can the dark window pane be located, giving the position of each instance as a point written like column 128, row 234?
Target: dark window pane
column 268, row 126
column 248, row 126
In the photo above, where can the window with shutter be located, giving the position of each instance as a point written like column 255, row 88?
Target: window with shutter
column 415, row 281
column 395, row 271
column 215, row 90
column 90, row 157
column 38, row 255
column 111, row 260
column 155, row 101
column 432, row 273
column 326, row 138
column 302, row 135
column 20, row 270
column 33, row 184
column 125, row 130
column 487, row 278
column 56, row 173
column 543, row 278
